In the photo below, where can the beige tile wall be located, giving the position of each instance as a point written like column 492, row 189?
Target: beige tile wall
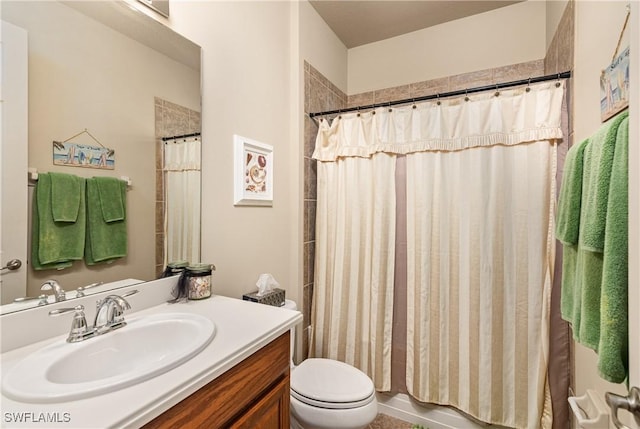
column 450, row 83
column 171, row 120
column 320, row 95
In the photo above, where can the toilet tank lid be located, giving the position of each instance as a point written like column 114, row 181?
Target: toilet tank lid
column 331, row 381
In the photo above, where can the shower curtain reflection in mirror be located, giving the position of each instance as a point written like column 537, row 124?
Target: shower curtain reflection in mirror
column 182, row 200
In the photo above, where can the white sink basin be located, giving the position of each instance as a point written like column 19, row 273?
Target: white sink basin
column 146, row 347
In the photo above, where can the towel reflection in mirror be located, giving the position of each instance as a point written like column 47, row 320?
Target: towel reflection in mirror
column 76, row 218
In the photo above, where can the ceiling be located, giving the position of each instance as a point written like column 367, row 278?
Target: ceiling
column 358, row 22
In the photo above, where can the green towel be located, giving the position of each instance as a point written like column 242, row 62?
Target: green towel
column 613, row 348
column 55, row 244
column 568, row 227
column 65, row 197
column 601, row 150
column 570, row 199
column 598, row 160
column 106, row 241
column 111, row 199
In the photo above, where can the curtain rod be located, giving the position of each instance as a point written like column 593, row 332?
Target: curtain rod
column 563, row 75
column 183, row 136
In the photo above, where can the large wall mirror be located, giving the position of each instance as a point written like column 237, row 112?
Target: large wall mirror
column 109, row 68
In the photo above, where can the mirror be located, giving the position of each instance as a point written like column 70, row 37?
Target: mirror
column 109, row 68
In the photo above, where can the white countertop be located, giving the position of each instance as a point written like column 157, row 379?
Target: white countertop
column 242, row 328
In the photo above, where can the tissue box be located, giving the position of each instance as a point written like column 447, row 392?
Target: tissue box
column 275, row 297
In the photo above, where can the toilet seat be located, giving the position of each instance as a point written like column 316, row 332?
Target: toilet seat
column 330, row 384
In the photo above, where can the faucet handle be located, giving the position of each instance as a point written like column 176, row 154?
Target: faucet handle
column 81, row 289
column 131, row 292
column 79, row 330
column 42, row 298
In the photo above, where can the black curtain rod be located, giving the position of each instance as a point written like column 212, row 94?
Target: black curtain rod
column 183, row 136
column 563, row 75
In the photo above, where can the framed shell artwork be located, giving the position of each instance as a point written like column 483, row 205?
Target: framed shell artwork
column 253, row 173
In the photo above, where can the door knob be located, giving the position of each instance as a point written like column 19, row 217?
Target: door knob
column 631, row 403
column 13, row 264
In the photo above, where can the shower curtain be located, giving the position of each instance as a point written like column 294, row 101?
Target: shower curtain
column 182, row 200
column 480, row 247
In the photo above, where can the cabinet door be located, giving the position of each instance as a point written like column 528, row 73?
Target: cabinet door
column 270, row 412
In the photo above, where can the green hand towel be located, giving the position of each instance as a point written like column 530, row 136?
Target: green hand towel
column 65, row 197
column 111, row 199
column 613, row 349
column 598, row 160
column 570, row 199
column 106, row 241
column 55, row 244
column 567, row 230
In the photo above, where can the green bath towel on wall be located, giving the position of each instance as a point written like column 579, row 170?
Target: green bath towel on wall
column 613, row 349
column 106, row 220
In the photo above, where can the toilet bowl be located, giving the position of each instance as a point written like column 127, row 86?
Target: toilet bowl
column 328, row 394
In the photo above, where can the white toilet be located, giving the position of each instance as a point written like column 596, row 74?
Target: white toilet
column 328, row 394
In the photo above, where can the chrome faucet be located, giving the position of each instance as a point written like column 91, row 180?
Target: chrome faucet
column 109, row 316
column 58, row 292
column 109, row 313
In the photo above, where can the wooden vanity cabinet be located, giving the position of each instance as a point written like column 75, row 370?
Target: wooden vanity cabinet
column 252, row 395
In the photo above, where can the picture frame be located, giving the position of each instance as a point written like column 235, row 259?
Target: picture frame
column 253, row 172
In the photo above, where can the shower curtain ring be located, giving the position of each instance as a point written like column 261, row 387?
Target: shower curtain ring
column 438, row 98
column 528, row 85
column 466, row 94
column 497, row 93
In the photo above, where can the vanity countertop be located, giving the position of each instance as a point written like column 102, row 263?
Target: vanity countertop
column 242, row 328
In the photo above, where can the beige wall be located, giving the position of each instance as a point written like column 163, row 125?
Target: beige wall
column 320, row 47
column 553, row 15
column 593, row 52
column 83, row 75
column 456, row 47
column 246, row 91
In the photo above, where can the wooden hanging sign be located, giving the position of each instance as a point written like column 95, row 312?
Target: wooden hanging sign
column 83, row 155
column 614, row 86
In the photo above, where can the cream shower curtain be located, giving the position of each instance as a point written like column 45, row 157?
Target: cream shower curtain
column 182, row 200
column 480, row 248
column 355, row 249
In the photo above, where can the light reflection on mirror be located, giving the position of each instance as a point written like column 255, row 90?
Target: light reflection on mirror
column 129, row 90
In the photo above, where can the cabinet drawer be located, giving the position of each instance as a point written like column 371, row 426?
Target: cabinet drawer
column 227, row 397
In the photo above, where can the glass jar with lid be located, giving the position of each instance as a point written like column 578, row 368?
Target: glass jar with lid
column 198, row 280
column 174, row 268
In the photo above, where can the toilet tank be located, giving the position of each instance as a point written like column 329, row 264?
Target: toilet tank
column 291, row 305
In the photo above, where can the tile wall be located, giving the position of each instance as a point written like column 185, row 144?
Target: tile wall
column 319, row 95
column 171, row 120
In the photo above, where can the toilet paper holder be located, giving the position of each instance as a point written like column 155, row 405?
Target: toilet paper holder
column 590, row 411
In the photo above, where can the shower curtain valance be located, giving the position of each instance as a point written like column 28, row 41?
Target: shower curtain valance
column 513, row 117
